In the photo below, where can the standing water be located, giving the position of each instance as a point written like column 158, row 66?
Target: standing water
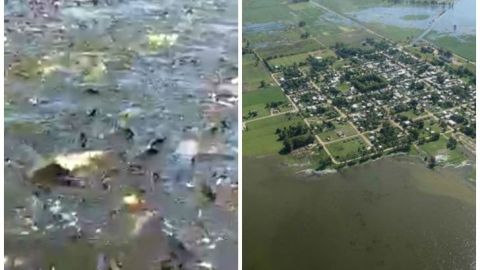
column 388, row 214
column 120, row 134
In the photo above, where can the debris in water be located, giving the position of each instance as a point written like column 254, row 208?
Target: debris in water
column 161, row 40
column 133, row 203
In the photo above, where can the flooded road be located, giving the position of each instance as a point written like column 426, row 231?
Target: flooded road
column 121, row 134
column 393, row 213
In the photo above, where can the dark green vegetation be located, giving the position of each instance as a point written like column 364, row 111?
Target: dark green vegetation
column 294, row 137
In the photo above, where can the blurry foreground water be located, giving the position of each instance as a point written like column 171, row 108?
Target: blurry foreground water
column 120, row 134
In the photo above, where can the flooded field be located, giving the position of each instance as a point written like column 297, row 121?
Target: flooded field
column 393, row 213
column 121, row 134
column 461, row 14
column 451, row 27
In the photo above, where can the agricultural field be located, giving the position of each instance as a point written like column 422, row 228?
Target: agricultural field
column 346, row 149
column 256, row 101
column 259, row 136
column 254, row 73
column 289, row 60
column 272, row 13
column 463, row 46
column 395, row 33
column 298, row 47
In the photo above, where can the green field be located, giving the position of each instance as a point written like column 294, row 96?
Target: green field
column 272, row 38
column 395, row 33
column 440, row 148
column 259, row 138
column 289, row 60
column 256, row 100
column 340, row 128
column 351, row 5
column 428, row 127
column 343, row 87
column 273, row 13
column 347, row 149
column 302, row 46
column 464, row 46
column 411, row 114
column 254, row 72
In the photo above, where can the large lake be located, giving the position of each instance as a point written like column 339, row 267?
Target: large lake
column 393, row 213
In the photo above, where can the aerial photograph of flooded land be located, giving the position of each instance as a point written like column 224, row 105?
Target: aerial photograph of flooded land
column 121, row 134
column 358, row 134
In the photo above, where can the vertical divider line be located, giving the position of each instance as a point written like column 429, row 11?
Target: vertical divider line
column 240, row 131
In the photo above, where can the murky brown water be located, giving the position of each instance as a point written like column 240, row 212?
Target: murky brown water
column 89, row 77
column 388, row 214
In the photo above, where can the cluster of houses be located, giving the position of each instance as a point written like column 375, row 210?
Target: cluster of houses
column 416, row 90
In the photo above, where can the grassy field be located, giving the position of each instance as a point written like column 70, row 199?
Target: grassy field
column 256, row 100
column 428, row 127
column 347, row 149
column 253, row 73
column 464, row 47
column 440, row 148
column 272, row 13
column 395, row 33
column 350, row 5
column 289, row 60
column 340, row 128
column 259, row 138
column 302, row 46
column 324, row 53
column 343, row 87
column 411, row 114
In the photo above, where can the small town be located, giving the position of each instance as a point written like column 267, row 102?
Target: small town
column 364, row 102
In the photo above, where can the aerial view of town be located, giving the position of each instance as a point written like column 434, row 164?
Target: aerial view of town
column 363, row 95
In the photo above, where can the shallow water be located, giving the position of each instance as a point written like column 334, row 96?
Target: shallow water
column 97, row 75
column 393, row 213
column 462, row 14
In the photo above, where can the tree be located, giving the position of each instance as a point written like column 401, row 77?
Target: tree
column 305, row 35
column 262, row 84
column 451, row 143
column 302, row 23
column 432, row 162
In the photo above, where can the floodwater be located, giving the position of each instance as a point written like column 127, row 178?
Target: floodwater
column 151, row 83
column 462, row 14
column 393, row 213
